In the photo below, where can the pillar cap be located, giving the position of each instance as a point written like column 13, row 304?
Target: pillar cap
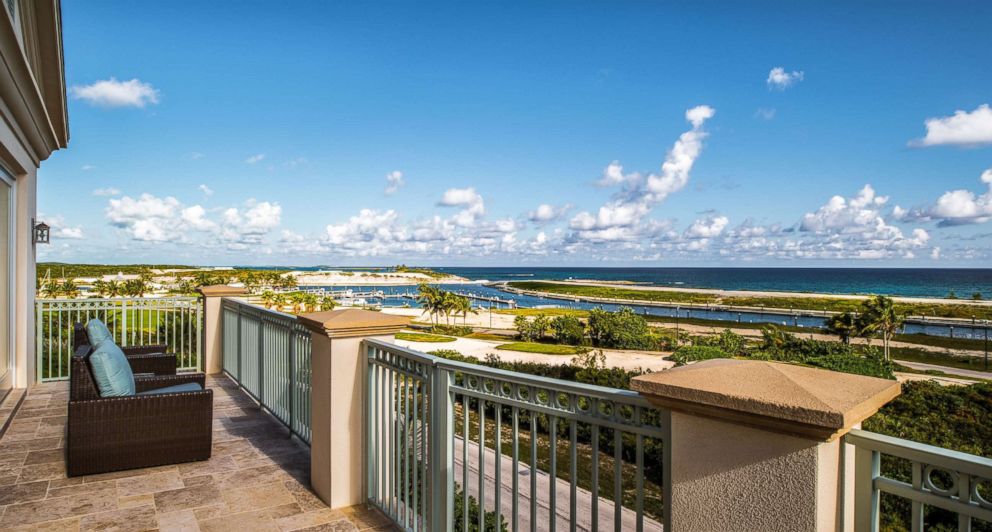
column 775, row 396
column 343, row 323
column 220, row 290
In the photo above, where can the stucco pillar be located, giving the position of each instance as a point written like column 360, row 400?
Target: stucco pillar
column 338, row 383
column 756, row 445
column 213, row 325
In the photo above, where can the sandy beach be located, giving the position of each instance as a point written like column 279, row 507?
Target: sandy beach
column 370, row 278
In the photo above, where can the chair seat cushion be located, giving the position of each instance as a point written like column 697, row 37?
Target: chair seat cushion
column 98, row 333
column 178, row 388
column 111, row 371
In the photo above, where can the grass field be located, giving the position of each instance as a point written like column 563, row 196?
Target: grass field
column 536, row 347
column 424, row 337
column 485, row 336
column 941, row 310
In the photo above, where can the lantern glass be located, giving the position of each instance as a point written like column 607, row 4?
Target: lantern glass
column 41, row 233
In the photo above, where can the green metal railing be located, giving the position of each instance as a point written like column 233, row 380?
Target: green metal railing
column 499, row 446
column 174, row 321
column 268, row 354
column 951, row 481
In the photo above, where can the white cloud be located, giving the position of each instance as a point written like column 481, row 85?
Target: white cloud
column 113, row 93
column 207, row 191
column 394, row 180
column 708, row 227
column 150, row 218
column 640, row 193
column 60, row 229
column 780, row 79
column 545, row 213
column 109, row 191
column 87, row 167
column 958, row 207
column 473, row 205
column 196, row 217
column 196, row 155
column 254, row 159
column 963, row 128
column 765, row 113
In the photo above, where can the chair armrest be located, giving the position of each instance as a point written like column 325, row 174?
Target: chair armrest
column 145, row 349
column 143, row 384
column 157, row 363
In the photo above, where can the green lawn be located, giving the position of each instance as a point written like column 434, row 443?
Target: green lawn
column 942, row 310
column 536, row 347
column 486, row 336
column 544, row 311
column 424, row 337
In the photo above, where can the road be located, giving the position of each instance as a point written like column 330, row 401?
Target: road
column 972, row 373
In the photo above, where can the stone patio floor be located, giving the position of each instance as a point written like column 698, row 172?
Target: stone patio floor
column 256, row 479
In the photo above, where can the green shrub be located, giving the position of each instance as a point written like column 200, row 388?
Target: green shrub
column 623, row 329
column 695, row 353
column 568, row 329
column 531, row 330
column 452, row 330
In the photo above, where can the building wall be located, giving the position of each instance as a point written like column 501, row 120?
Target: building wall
column 32, row 126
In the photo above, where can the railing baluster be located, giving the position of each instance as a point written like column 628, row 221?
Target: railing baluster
column 482, row 464
column 533, row 468
column 573, row 471
column 617, row 480
column 514, row 474
column 499, row 461
column 465, row 462
column 594, row 489
column 553, row 473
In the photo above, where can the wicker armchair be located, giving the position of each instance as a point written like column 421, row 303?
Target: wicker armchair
column 116, row 433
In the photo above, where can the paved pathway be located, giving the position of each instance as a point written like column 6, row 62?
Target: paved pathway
column 256, row 480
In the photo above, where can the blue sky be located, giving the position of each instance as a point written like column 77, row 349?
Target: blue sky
column 263, row 133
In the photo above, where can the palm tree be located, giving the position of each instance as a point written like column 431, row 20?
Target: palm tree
column 279, row 301
column 430, row 298
column 69, row 289
column 880, row 317
column 310, row 301
column 268, row 297
column 463, row 306
column 296, row 298
column 100, row 287
column 845, row 325
column 327, row 303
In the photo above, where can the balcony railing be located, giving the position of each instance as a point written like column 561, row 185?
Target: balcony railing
column 444, row 434
column 956, row 482
column 268, row 354
column 459, row 446
column 174, row 321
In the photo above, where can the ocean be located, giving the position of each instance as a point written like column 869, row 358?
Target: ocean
column 909, row 282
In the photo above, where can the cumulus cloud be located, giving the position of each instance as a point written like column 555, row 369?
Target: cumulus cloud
column 150, row 218
column 60, row 229
column 207, row 191
column 394, row 181
column 963, row 128
column 546, row 213
column 780, row 79
column 109, row 191
column 255, row 159
column 113, row 93
column 959, row 207
column 708, row 227
column 640, row 193
column 473, row 206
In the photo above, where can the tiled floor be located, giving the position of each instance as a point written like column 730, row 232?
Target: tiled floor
column 255, row 480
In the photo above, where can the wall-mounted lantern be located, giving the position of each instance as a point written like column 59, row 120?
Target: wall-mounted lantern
column 41, row 232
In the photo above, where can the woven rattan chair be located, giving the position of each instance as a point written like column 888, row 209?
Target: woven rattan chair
column 116, row 433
